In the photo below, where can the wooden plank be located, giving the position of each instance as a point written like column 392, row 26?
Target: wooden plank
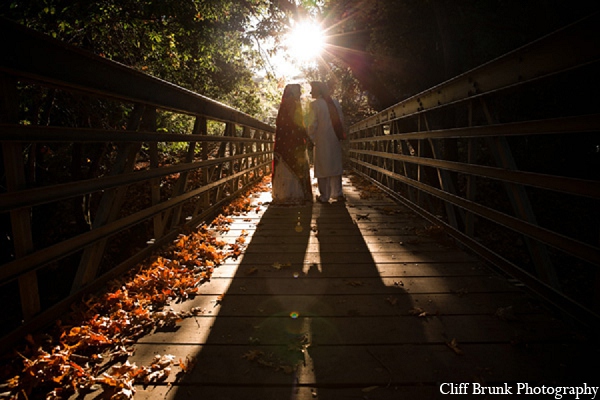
column 365, row 366
column 326, row 256
column 314, row 284
column 513, row 306
column 354, row 246
column 273, row 392
column 274, row 329
column 267, row 235
column 384, row 270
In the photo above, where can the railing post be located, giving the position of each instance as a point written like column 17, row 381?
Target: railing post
column 379, row 147
column 395, row 149
column 219, row 169
column 419, row 154
column 269, row 146
column 471, row 187
column 258, row 147
column 181, row 184
column 444, row 179
column 110, row 205
column 236, row 149
column 14, row 170
column 520, row 202
column 148, row 124
column 247, row 151
column 596, row 300
column 201, row 125
column 408, row 171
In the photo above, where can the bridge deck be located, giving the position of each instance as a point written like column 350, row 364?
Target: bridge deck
column 367, row 301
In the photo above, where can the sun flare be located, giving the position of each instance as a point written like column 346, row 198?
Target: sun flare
column 305, row 42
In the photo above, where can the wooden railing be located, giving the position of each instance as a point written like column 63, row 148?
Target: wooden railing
column 506, row 157
column 227, row 152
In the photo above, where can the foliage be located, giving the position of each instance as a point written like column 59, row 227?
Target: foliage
column 396, row 49
column 202, row 45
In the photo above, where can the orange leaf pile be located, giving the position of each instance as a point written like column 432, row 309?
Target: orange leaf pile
column 102, row 328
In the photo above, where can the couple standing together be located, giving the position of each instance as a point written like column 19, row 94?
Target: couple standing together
column 324, row 128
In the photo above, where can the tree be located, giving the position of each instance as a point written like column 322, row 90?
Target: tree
column 202, row 45
column 398, row 48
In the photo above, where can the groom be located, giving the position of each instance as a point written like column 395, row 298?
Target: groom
column 325, row 129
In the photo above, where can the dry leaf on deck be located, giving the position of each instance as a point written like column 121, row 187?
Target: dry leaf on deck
column 355, row 283
column 419, row 312
column 278, row 265
column 453, row 344
column 252, row 355
column 369, row 389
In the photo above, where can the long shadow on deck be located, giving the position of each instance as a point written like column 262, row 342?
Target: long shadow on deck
column 313, row 314
column 291, row 324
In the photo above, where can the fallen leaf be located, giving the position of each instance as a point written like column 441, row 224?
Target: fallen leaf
column 417, row 311
column 252, row 271
column 369, row 389
column 355, row 283
column 157, row 376
column 506, row 313
column 453, row 344
column 163, row 361
column 278, row 265
column 197, row 310
column 252, row 355
column 288, row 369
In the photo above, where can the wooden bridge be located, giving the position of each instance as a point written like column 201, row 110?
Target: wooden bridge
column 475, row 261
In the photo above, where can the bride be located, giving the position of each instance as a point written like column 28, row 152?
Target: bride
column 291, row 173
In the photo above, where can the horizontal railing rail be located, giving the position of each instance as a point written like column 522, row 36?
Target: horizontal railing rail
column 506, row 158
column 33, row 56
column 36, row 196
column 133, row 192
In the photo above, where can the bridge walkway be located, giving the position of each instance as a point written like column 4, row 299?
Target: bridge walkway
column 358, row 299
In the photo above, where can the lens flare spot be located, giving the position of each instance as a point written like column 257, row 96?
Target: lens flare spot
column 294, row 315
